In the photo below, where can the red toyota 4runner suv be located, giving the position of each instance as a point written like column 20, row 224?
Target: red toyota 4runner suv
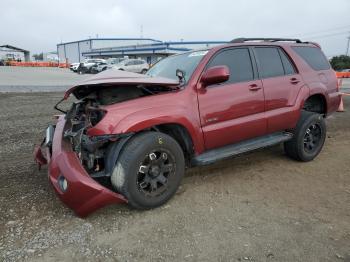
column 128, row 137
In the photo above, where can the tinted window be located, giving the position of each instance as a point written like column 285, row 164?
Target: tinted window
column 313, row 56
column 287, row 64
column 238, row 61
column 270, row 63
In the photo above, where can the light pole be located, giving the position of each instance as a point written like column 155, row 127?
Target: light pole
column 347, row 46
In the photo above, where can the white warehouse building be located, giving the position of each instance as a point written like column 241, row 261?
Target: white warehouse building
column 148, row 49
column 72, row 51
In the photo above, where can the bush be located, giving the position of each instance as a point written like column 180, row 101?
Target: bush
column 340, row 62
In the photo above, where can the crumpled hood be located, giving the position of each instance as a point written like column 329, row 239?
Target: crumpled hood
column 114, row 76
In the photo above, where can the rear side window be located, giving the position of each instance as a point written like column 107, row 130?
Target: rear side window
column 270, row 63
column 313, row 56
column 238, row 61
column 287, row 64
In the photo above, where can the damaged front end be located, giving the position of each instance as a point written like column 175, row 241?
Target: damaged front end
column 93, row 151
column 80, row 164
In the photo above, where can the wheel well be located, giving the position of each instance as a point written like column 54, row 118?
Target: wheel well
column 316, row 103
column 181, row 135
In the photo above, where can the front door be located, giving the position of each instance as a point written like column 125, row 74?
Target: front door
column 234, row 110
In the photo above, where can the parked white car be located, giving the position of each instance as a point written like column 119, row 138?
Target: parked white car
column 74, row 66
column 111, row 62
column 133, row 65
column 86, row 66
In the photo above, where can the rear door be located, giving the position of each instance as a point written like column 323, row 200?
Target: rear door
column 138, row 67
column 234, row 110
column 281, row 82
column 130, row 66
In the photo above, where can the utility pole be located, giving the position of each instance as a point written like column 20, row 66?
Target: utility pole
column 347, row 46
column 141, row 31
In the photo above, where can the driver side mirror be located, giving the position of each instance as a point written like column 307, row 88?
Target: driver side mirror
column 215, row 75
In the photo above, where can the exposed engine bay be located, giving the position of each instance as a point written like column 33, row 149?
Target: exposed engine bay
column 88, row 111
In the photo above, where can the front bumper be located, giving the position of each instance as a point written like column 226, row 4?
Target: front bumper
column 84, row 195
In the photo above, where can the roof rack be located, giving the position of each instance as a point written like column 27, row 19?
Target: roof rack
column 242, row 40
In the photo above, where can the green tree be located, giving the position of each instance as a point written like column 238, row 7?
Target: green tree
column 39, row 57
column 340, row 62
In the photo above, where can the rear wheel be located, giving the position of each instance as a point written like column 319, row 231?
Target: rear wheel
column 308, row 139
column 149, row 170
column 143, row 71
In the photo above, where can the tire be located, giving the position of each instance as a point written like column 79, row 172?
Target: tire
column 308, row 139
column 138, row 173
column 143, row 71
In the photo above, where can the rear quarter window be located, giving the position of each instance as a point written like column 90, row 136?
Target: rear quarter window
column 313, row 56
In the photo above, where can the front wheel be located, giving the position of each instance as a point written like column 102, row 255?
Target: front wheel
column 308, row 139
column 149, row 170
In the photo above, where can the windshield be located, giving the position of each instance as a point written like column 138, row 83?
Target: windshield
column 186, row 62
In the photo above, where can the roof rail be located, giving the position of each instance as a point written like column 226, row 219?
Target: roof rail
column 242, row 40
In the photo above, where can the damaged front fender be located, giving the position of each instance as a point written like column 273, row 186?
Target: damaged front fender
column 81, row 192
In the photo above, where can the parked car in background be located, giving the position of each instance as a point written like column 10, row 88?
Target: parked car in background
column 113, row 61
column 86, row 66
column 102, row 66
column 133, row 65
column 74, row 66
column 99, row 67
column 129, row 137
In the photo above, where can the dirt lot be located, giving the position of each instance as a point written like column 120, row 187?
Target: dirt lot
column 257, row 207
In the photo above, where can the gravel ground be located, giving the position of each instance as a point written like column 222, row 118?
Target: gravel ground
column 260, row 206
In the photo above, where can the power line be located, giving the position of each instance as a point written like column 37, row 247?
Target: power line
column 327, row 35
column 347, row 46
column 317, row 32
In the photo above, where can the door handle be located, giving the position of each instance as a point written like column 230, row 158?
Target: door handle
column 294, row 81
column 254, row 87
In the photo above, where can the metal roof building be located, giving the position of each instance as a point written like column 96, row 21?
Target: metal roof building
column 72, row 51
column 9, row 52
column 148, row 49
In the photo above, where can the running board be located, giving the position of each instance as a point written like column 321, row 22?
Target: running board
column 214, row 155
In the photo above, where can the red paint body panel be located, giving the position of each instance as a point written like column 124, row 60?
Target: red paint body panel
column 231, row 113
column 114, row 76
column 84, row 195
column 178, row 107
